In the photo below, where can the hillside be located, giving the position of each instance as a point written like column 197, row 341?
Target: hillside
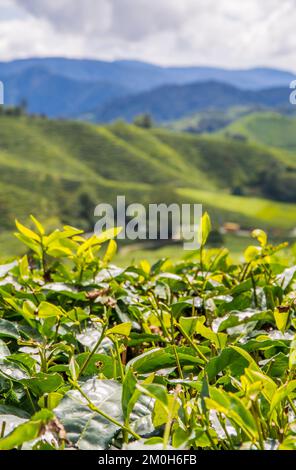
column 210, row 120
column 60, row 170
column 267, row 128
column 171, row 102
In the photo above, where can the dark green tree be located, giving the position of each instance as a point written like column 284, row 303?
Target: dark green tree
column 144, row 120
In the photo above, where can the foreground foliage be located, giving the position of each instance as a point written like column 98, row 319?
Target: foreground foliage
column 191, row 356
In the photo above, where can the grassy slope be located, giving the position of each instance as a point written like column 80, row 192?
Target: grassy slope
column 214, row 118
column 268, row 129
column 223, row 162
column 248, row 211
column 59, row 171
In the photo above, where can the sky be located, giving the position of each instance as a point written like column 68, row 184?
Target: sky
column 226, row 33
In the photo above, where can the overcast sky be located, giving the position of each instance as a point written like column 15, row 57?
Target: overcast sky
column 228, row 33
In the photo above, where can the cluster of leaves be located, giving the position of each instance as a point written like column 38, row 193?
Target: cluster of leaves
column 200, row 354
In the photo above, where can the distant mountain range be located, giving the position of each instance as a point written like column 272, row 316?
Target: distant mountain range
column 57, row 95
column 172, row 102
column 99, row 90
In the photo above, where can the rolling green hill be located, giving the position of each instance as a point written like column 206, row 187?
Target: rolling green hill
column 211, row 120
column 276, row 132
column 60, row 170
column 267, row 128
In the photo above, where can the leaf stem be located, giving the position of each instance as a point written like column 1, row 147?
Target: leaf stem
column 87, row 360
column 102, row 413
column 2, row 429
column 115, row 342
column 196, row 348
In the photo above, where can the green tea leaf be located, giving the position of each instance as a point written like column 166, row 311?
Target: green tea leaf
column 50, row 400
column 110, row 252
column 281, row 394
column 161, row 358
column 123, row 329
column 47, row 310
column 8, row 329
column 233, row 408
column 156, row 391
column 261, row 236
column 27, row 431
column 85, row 428
column 99, row 364
column 281, row 319
column 43, row 383
column 27, row 232
column 204, row 229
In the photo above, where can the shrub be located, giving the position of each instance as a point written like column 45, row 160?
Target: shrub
column 196, row 355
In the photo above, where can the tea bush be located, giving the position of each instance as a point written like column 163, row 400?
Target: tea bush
column 196, row 355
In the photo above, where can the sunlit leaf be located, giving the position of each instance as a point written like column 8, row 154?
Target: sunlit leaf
column 26, row 431
column 204, row 229
column 47, row 310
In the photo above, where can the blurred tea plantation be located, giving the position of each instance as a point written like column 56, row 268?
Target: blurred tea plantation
column 60, row 170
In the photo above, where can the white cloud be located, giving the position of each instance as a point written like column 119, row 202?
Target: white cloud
column 228, row 33
column 72, row 16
